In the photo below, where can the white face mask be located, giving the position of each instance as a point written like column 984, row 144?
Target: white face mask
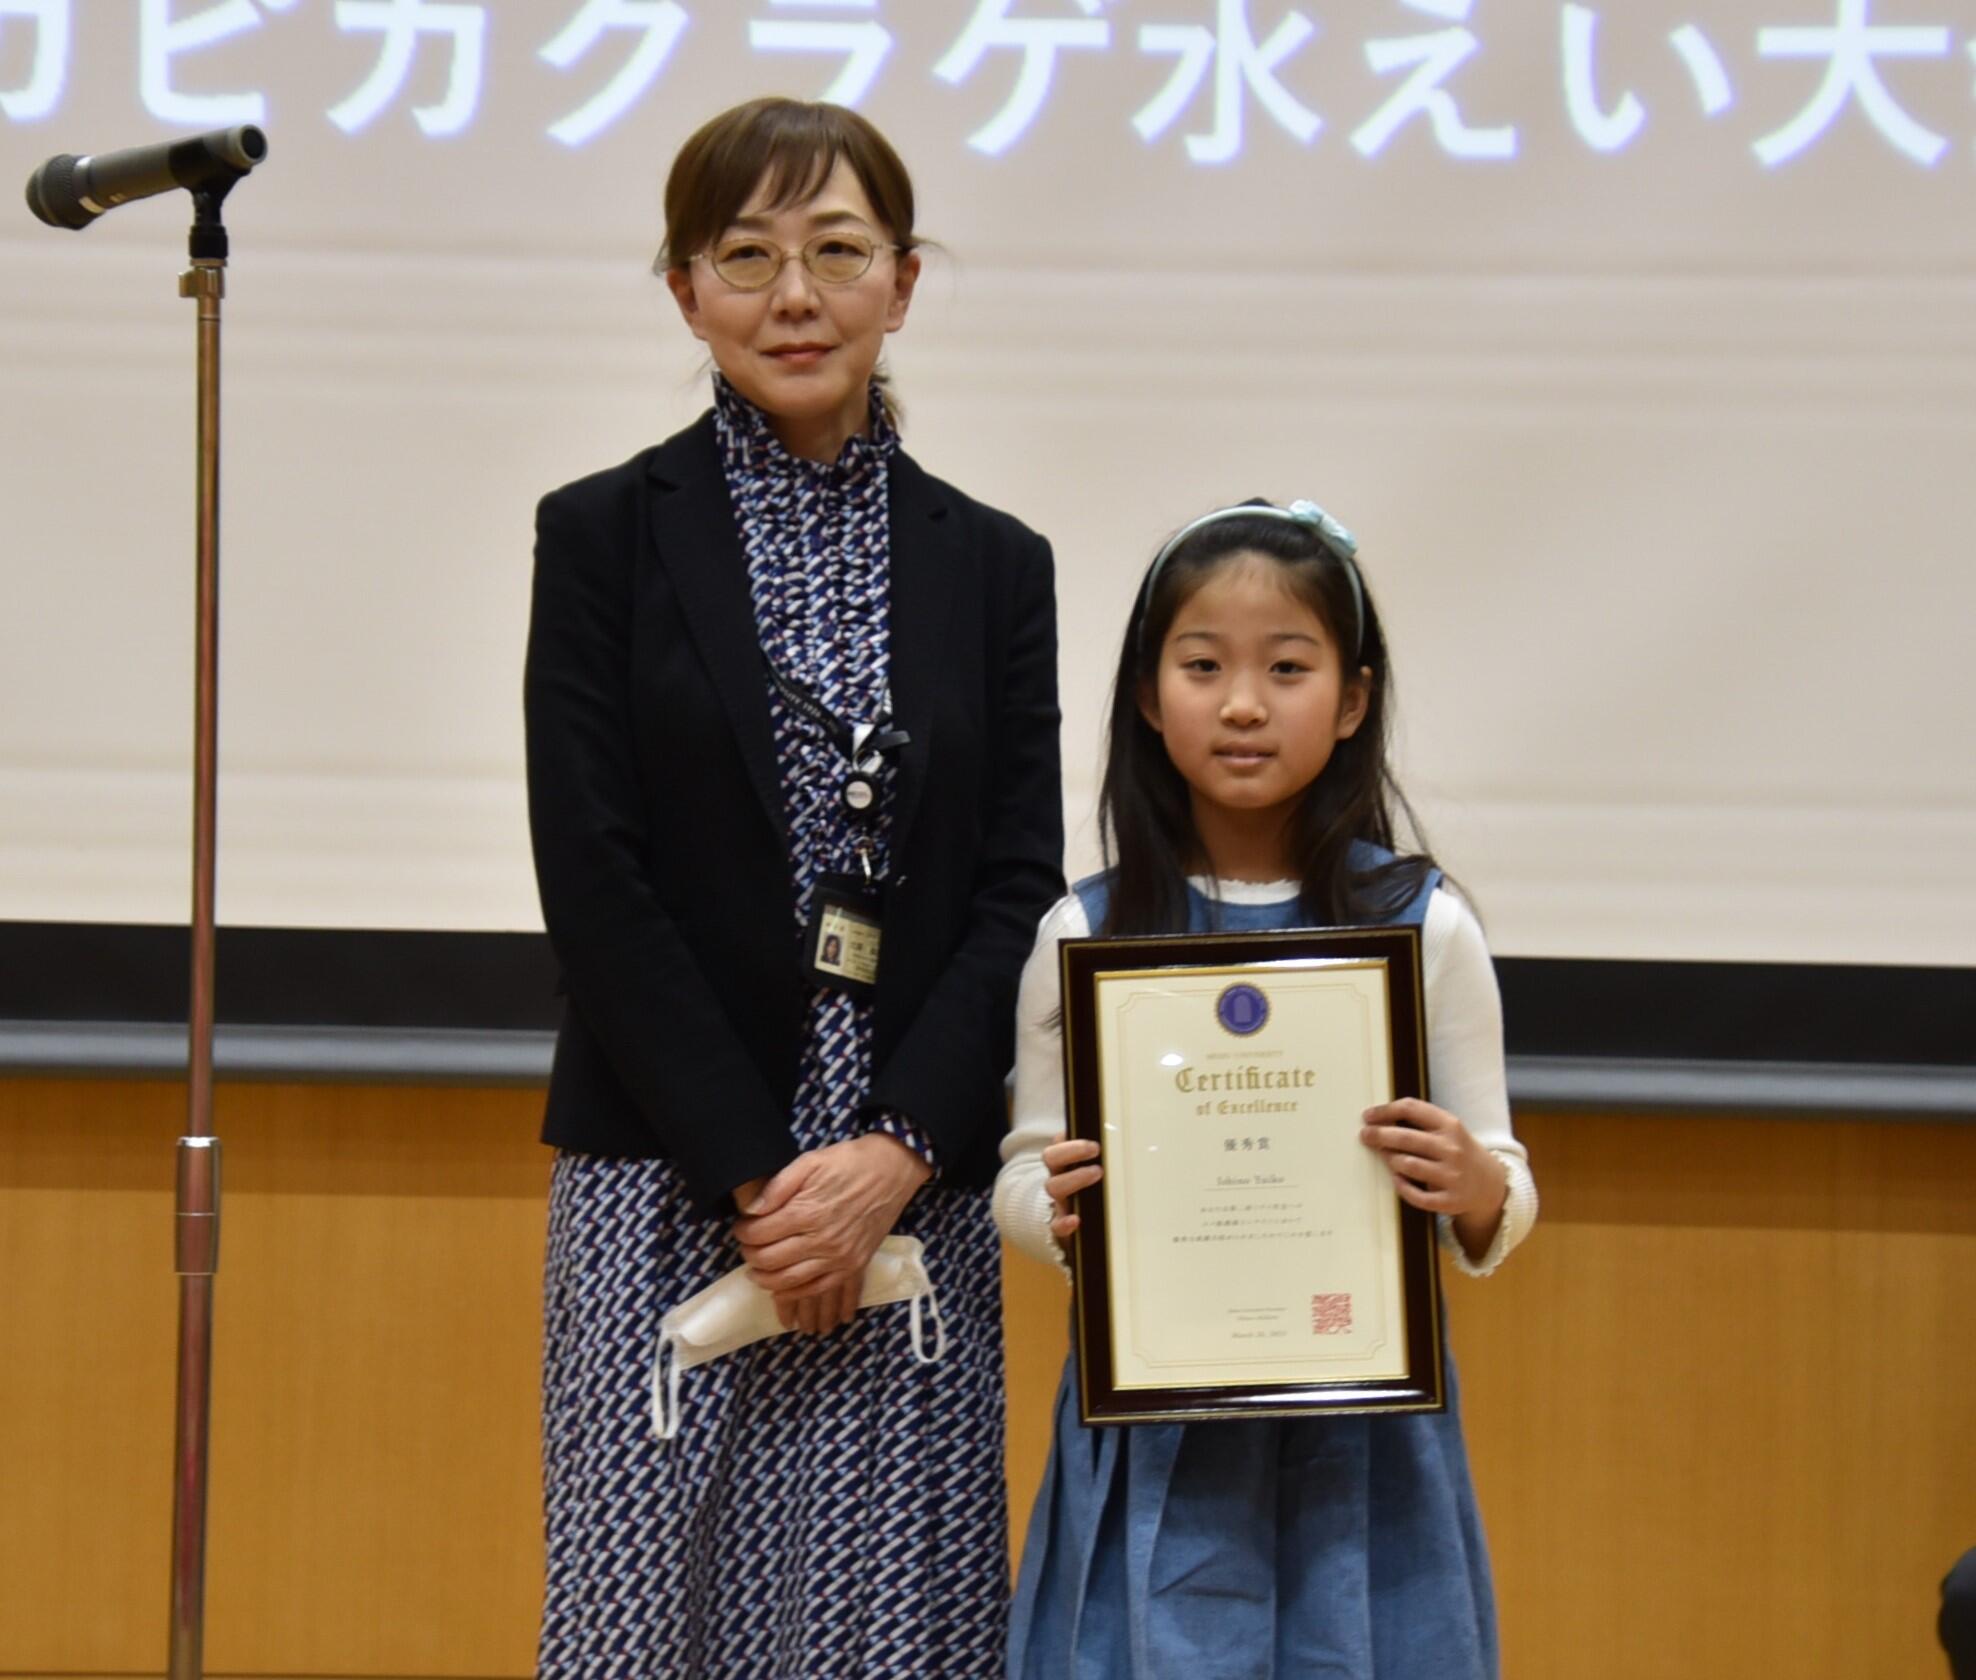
column 734, row 1310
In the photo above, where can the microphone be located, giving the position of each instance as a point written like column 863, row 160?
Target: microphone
column 71, row 192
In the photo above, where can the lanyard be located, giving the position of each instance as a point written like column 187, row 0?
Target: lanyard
column 862, row 744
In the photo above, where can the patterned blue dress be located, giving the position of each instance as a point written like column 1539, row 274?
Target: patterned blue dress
column 831, row 1509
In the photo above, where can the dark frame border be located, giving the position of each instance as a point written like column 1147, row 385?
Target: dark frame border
column 1100, row 1399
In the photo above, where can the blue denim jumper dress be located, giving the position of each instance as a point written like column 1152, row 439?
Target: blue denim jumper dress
column 1338, row 1548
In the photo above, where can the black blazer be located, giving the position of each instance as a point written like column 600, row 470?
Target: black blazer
column 657, row 818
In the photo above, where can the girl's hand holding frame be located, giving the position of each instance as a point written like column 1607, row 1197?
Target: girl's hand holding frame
column 1439, row 1167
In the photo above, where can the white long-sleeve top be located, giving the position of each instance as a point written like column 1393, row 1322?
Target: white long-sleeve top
column 1464, row 1066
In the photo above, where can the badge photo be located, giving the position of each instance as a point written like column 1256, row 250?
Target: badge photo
column 840, row 945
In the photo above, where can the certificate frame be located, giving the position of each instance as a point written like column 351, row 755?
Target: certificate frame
column 1409, row 1377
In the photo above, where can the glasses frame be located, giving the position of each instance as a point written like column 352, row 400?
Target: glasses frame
column 783, row 255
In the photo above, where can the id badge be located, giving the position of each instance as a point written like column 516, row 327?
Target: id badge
column 840, row 946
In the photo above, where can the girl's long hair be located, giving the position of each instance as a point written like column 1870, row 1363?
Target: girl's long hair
column 1145, row 815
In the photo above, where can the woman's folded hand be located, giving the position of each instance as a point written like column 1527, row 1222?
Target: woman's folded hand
column 812, row 1229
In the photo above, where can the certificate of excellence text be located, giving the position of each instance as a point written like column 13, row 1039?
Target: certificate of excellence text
column 1251, row 1236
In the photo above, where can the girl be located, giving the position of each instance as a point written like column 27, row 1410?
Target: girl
column 1246, row 787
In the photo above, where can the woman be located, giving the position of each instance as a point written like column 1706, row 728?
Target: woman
column 783, row 688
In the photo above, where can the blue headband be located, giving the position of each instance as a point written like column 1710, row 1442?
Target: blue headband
column 1343, row 547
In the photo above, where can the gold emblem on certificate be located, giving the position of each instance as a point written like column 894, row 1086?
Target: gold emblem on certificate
column 1245, row 1255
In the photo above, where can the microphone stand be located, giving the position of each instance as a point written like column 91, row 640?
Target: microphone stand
column 197, row 1219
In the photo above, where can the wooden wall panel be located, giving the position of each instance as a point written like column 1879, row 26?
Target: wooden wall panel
column 1718, row 1407
column 374, row 1502
column 1036, row 1319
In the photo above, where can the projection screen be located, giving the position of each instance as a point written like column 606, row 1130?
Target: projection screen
column 1636, row 343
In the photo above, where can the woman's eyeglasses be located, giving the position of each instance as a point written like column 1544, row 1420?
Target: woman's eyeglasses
column 837, row 258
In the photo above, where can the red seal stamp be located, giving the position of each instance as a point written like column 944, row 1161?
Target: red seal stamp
column 1330, row 1315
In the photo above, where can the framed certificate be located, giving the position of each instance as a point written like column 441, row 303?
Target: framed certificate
column 1244, row 1254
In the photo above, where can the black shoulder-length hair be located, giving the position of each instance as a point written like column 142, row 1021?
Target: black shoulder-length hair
column 1145, row 817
